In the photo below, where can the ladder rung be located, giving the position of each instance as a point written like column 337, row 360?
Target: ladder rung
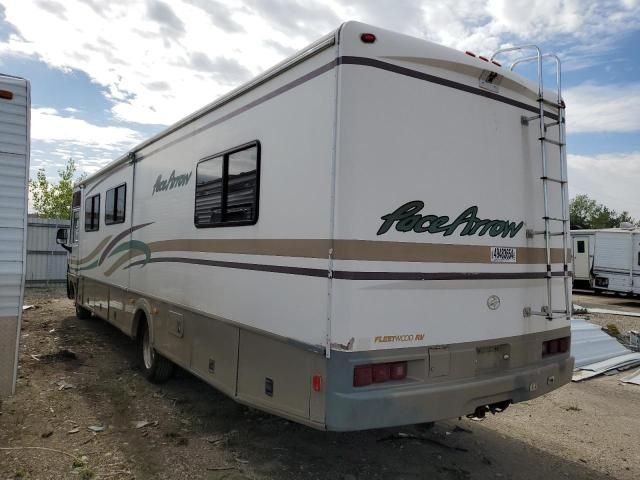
column 557, row 219
column 545, row 139
column 552, row 124
column 549, row 317
column 551, row 179
column 525, row 120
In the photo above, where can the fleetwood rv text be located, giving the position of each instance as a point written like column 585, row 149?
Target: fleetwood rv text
column 372, row 233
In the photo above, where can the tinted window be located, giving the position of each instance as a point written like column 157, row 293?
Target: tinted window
column 209, row 191
column 75, row 225
column 580, row 246
column 227, row 188
column 92, row 214
column 114, row 210
column 242, row 184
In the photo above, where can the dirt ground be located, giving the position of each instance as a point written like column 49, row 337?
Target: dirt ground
column 76, row 375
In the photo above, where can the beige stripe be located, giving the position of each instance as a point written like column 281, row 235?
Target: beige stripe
column 124, row 258
column 365, row 250
column 95, row 252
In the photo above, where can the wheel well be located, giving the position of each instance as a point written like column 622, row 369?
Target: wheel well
column 139, row 322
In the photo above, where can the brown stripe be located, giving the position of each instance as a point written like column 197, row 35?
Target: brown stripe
column 124, row 258
column 95, row 252
column 365, row 250
column 350, row 275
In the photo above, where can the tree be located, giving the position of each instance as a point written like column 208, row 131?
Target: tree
column 53, row 200
column 585, row 212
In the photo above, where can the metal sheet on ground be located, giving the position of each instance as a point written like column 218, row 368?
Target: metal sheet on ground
column 596, row 352
column 633, row 378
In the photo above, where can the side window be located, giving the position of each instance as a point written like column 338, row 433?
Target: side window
column 580, row 246
column 114, row 208
column 92, row 214
column 75, row 225
column 227, row 188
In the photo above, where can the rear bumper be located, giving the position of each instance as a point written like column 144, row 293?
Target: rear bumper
column 443, row 398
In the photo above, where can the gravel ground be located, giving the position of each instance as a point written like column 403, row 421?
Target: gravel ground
column 78, row 374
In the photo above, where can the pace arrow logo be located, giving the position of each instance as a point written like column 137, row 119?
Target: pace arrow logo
column 407, row 218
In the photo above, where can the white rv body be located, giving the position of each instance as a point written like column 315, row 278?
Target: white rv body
column 393, row 202
column 613, row 256
column 15, row 104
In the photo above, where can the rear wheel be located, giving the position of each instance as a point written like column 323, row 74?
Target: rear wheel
column 82, row 313
column 155, row 367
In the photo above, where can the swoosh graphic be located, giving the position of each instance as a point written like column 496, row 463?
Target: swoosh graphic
column 95, row 252
column 119, row 237
column 132, row 245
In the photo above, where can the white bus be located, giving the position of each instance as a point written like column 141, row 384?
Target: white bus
column 351, row 240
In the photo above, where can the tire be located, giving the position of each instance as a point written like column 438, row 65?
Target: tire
column 82, row 313
column 155, row 367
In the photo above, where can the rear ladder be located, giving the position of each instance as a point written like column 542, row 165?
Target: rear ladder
column 543, row 131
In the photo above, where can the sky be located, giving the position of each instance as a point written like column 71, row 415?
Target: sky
column 107, row 75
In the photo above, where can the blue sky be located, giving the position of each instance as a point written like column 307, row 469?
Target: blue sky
column 107, row 75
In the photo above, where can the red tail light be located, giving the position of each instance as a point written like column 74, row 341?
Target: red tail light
column 398, row 371
column 364, row 375
column 555, row 346
column 381, row 372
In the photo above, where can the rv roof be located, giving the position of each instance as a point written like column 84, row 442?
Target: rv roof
column 297, row 58
column 608, row 230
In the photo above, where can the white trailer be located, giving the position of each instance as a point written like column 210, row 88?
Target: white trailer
column 583, row 249
column 354, row 239
column 616, row 261
column 15, row 102
column 607, row 259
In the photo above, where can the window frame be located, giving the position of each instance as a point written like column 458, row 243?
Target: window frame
column 580, row 246
column 225, row 176
column 91, row 199
column 115, row 200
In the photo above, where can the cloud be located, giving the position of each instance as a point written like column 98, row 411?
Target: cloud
column 220, row 15
column 53, row 8
column 308, row 18
column 170, row 24
column 611, row 179
column 603, row 108
column 48, row 126
column 225, row 69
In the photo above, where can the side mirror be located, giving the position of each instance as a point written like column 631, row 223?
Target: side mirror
column 62, row 236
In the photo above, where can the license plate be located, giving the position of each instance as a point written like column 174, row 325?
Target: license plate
column 503, row 255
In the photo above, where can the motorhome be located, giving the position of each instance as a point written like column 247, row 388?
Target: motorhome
column 15, row 104
column 607, row 259
column 372, row 233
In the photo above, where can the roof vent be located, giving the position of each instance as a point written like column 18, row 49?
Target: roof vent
column 627, row 225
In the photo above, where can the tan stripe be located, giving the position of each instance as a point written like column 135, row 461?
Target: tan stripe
column 433, row 252
column 95, row 252
column 312, row 248
column 365, row 250
column 124, row 258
